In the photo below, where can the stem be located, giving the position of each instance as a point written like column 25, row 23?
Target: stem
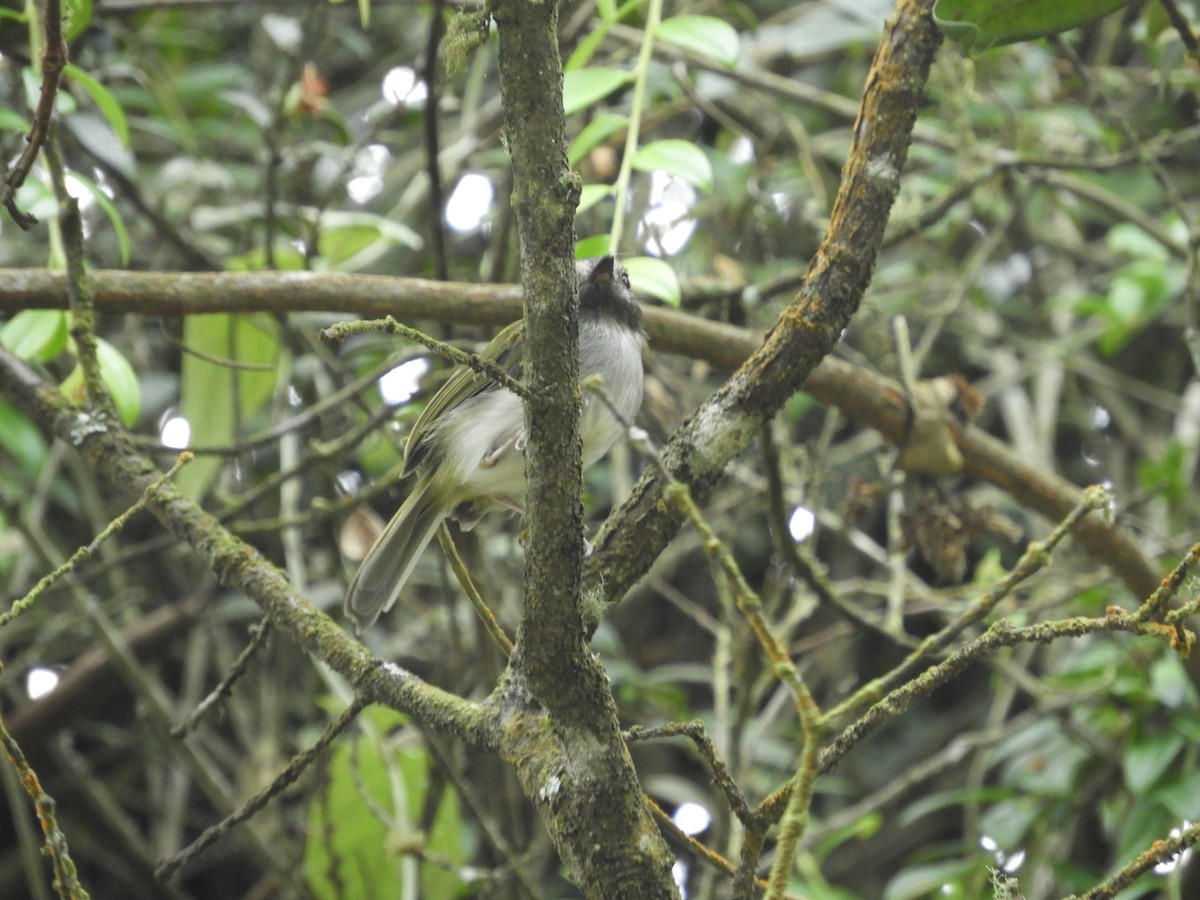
column 621, row 188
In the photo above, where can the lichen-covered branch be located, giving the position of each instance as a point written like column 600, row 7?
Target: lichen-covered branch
column 236, row 564
column 810, row 326
column 559, row 723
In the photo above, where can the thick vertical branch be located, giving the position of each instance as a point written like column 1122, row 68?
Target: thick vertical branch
column 544, row 200
column 558, row 720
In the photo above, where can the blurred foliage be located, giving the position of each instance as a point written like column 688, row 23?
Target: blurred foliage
column 1043, row 246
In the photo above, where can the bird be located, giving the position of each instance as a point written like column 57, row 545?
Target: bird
column 467, row 446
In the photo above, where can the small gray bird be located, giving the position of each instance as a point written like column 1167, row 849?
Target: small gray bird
column 468, row 443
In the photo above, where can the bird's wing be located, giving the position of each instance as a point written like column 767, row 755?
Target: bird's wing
column 505, row 350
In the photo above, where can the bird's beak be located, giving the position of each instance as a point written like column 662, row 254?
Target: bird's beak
column 603, row 272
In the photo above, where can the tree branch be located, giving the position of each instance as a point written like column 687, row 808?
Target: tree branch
column 237, row 565
column 862, row 395
column 809, row 327
column 559, row 720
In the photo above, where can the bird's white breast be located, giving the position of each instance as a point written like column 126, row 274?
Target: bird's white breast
column 614, row 352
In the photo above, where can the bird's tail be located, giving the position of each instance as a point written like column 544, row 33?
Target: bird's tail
column 386, row 568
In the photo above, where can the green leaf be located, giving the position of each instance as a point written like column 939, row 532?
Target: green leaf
column 705, row 35
column 1149, row 757
column 653, row 278
column 287, row 258
column 591, row 40
column 680, row 158
column 104, row 100
column 372, row 800
column 1125, row 237
column 596, row 132
column 64, row 103
column 798, row 405
column 583, row 87
column 36, row 334
column 118, row 376
column 121, row 379
column 978, row 25
column 589, row 247
column 21, row 440
column 13, row 121
column 208, row 385
column 1178, row 794
column 346, row 235
column 591, row 195
column 939, row 879
column 341, row 824
column 77, row 16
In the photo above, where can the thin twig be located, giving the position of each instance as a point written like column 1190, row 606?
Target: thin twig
column 697, row 734
column 813, row 724
column 66, row 879
column 1035, row 558
column 294, row 770
column 87, row 551
column 258, row 637
column 54, row 60
column 437, row 229
column 389, row 325
column 1160, row 851
column 477, row 603
column 1001, row 634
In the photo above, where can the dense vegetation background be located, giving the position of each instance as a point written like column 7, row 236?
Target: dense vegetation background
column 1043, row 248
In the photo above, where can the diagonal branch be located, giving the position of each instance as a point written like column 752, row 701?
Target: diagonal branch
column 810, row 326
column 236, row 564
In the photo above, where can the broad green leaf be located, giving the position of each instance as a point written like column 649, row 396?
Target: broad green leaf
column 22, row 441
column 371, row 801
column 36, row 334
column 341, row 824
column 13, row 121
column 583, row 87
column 937, row 879
column 653, row 278
column 1125, row 237
column 680, row 158
column 589, row 247
column 595, row 133
column 77, row 15
column 1178, row 794
column 592, row 40
column 345, row 235
column 591, row 195
column 118, row 376
column 705, row 35
column 1148, row 758
column 208, row 386
column 104, row 100
column 287, row 258
column 978, row 25
column 121, row 380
